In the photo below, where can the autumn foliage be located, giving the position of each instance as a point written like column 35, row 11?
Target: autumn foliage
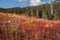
column 19, row 27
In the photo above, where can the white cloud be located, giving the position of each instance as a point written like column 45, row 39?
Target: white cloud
column 22, row 0
column 33, row 2
column 36, row 2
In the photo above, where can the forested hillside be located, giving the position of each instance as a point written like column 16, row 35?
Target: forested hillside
column 41, row 11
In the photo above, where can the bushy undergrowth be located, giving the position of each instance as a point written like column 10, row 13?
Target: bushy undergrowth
column 19, row 27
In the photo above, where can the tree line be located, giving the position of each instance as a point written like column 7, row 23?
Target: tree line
column 41, row 11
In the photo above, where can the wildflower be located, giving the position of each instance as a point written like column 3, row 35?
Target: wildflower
column 48, row 25
column 8, row 21
column 13, row 28
column 31, row 21
column 14, row 15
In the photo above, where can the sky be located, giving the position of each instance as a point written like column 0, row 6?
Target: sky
column 22, row 3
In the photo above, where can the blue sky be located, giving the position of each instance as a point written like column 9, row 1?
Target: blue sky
column 21, row 3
